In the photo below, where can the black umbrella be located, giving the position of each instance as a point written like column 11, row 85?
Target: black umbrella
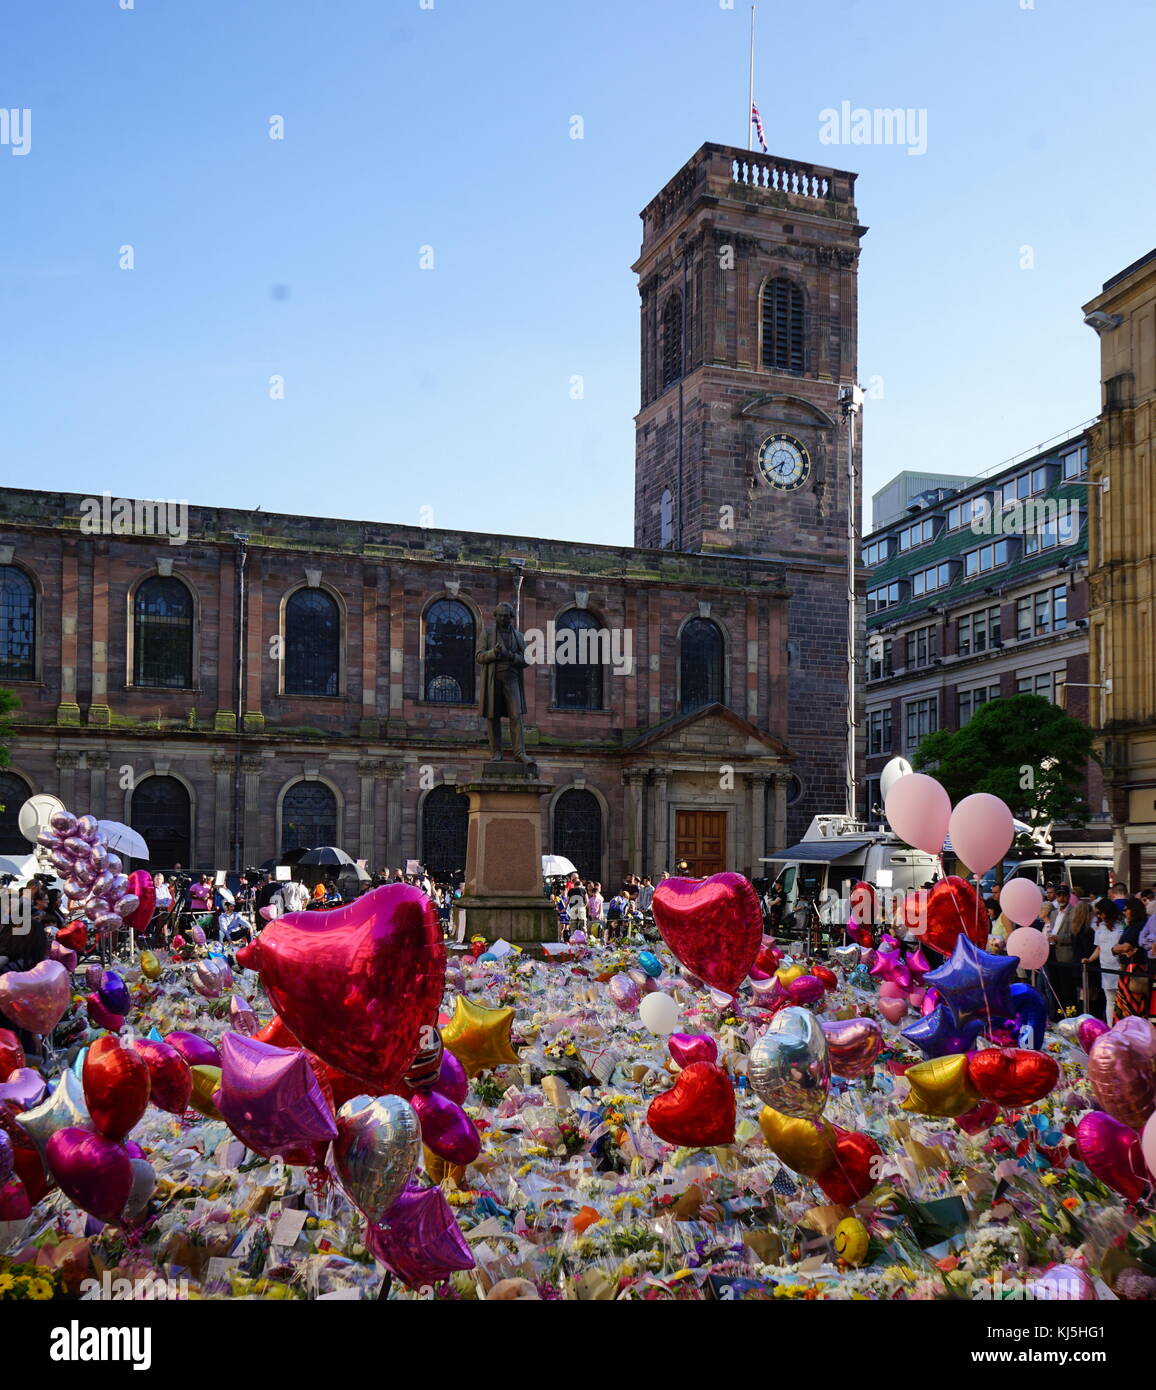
column 327, row 855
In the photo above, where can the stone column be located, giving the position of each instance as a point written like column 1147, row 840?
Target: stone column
column 632, row 846
column 68, row 711
column 370, row 725
column 660, row 831
column 97, row 785
column 368, row 772
column 66, row 780
column 252, row 848
column 223, row 766
column 757, row 782
column 779, row 810
column 394, row 780
column 99, row 711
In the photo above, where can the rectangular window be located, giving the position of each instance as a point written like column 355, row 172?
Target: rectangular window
column 922, row 718
column 878, row 658
column 1075, row 462
column 970, row 701
column 879, row 731
column 884, row 597
column 1039, row 479
column 922, row 646
column 978, row 631
column 1041, row 683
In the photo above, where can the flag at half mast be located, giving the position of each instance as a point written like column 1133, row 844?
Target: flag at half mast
column 757, row 122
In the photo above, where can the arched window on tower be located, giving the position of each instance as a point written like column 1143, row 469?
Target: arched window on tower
column 672, row 341
column 17, row 626
column 445, row 819
column 450, row 649
column 308, row 816
column 312, row 643
column 14, row 792
column 160, row 813
column 162, row 642
column 578, row 831
column 783, row 326
column 578, row 661
column 700, row 665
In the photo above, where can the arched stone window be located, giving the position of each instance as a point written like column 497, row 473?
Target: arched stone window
column 162, row 814
column 578, row 831
column 162, row 643
column 701, row 651
column 308, row 816
column 783, row 326
column 578, row 665
column 17, row 625
column 450, row 649
column 445, row 816
column 312, row 643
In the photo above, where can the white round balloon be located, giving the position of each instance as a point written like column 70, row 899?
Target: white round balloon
column 659, row 1013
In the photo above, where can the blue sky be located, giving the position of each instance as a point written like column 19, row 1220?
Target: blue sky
column 408, row 389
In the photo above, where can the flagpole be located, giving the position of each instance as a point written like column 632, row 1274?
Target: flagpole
column 751, row 92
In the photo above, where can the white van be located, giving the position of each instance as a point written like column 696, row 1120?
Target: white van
column 1089, row 876
column 838, row 851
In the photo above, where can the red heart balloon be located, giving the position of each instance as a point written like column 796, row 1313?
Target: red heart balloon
column 953, row 906
column 141, row 883
column 73, row 937
column 26, row 1161
column 14, row 1203
column 828, row 977
column 713, row 925
column 851, row 1175
column 1012, row 1075
column 170, row 1079
column 342, row 1086
column 979, row 1118
column 116, row 1087
column 699, row 1109
column 11, row 1053
column 357, row 984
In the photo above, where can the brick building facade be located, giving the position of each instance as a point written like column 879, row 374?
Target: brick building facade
column 280, row 680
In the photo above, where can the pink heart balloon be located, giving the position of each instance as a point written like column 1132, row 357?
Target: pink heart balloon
column 853, row 1045
column 714, row 926
column 94, row 1172
column 890, row 990
column 893, row 1010
column 686, row 1048
column 62, row 954
column 1112, row 1151
column 806, row 989
column 101, row 1017
column 357, row 984
column 36, row 999
column 1122, row 1070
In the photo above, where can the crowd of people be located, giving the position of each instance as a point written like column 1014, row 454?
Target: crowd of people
column 585, row 914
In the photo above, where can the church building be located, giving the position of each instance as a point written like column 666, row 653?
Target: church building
column 286, row 681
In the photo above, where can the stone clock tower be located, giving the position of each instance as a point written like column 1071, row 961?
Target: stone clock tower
column 748, row 280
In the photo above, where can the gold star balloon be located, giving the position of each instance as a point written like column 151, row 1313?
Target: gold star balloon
column 940, row 1087
column 479, row 1037
column 806, row 1145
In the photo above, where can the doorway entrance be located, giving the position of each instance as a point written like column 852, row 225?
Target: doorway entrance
column 700, row 837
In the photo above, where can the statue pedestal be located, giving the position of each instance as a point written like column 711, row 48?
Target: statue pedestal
column 502, row 896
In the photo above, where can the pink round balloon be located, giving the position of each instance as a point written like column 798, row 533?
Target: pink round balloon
column 452, row 1082
column 194, row 1049
column 890, row 990
column 1028, row 944
column 981, row 831
column 919, row 808
column 446, row 1129
column 1020, row 901
column 893, row 1010
column 1088, row 1030
column 624, row 992
column 806, row 989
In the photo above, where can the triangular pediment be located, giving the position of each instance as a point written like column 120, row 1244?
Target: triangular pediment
column 712, row 730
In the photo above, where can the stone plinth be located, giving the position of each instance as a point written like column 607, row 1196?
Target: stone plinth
column 502, row 896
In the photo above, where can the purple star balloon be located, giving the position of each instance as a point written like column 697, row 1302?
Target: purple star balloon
column 975, row 983
column 938, row 1035
column 421, row 1241
column 270, row 1096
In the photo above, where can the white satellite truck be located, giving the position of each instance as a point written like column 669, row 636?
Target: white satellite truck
column 838, row 852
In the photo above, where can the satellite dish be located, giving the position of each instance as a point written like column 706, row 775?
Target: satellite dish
column 36, row 812
column 896, row 768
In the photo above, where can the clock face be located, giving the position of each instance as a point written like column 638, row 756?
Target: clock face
column 784, row 462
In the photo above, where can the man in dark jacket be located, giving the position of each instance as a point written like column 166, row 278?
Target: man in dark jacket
column 502, row 657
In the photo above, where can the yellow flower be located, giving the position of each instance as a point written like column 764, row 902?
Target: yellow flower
column 39, row 1289
column 6, row 1282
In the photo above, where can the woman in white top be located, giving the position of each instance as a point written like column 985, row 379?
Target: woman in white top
column 1107, row 935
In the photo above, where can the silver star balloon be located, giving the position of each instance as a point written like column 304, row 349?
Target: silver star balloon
column 64, row 1108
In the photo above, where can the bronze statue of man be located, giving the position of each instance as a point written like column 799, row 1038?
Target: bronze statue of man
column 502, row 657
